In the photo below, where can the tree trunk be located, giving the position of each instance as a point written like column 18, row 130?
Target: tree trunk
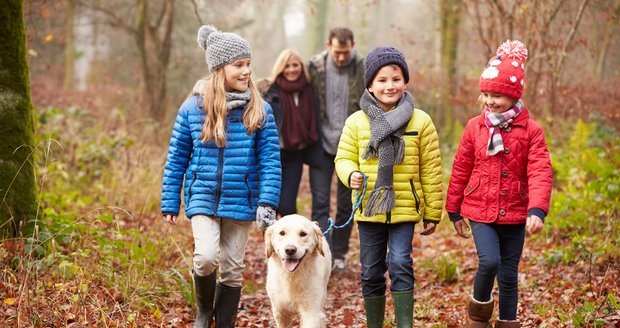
column 69, row 82
column 154, row 47
column 17, row 180
column 450, row 18
column 152, row 33
column 318, row 32
column 603, row 47
column 557, row 65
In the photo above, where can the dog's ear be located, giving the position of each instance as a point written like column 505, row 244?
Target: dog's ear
column 318, row 236
column 268, row 246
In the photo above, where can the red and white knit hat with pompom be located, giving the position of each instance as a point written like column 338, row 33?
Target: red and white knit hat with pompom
column 505, row 73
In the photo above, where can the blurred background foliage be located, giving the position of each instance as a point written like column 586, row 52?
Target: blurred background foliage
column 107, row 78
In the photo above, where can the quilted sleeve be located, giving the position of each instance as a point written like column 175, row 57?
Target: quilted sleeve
column 539, row 173
column 269, row 165
column 430, row 171
column 347, row 155
column 179, row 153
column 461, row 170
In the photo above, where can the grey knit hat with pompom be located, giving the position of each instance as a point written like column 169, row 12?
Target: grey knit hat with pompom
column 222, row 48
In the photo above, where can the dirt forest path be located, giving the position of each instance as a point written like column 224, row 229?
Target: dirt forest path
column 548, row 295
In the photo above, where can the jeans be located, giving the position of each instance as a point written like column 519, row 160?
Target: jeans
column 499, row 249
column 321, row 178
column 220, row 239
column 378, row 240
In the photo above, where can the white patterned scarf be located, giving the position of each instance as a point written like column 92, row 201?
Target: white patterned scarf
column 497, row 121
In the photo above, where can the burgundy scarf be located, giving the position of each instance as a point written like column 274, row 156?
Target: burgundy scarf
column 298, row 121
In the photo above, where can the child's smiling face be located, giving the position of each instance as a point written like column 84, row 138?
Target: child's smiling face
column 495, row 102
column 388, row 86
column 237, row 75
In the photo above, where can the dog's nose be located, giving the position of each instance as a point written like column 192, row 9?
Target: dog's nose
column 290, row 250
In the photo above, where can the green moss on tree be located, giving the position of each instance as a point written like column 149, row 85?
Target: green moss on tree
column 18, row 204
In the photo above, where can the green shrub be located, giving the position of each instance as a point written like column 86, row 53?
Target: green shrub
column 586, row 195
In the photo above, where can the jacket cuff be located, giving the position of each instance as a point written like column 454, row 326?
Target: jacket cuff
column 169, row 213
column 538, row 212
column 349, row 179
column 455, row 217
column 267, row 205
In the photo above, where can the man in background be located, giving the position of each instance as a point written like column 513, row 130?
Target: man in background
column 338, row 81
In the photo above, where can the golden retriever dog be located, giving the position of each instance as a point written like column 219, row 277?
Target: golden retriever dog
column 298, row 270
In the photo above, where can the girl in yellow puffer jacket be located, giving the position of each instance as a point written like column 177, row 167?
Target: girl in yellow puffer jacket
column 396, row 147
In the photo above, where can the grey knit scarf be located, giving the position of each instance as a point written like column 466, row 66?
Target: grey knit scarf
column 237, row 99
column 386, row 143
column 233, row 99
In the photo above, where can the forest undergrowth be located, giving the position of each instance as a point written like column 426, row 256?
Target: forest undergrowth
column 101, row 255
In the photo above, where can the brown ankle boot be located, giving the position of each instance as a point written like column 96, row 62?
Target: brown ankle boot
column 507, row 324
column 479, row 313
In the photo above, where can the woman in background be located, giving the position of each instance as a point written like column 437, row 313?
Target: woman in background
column 294, row 104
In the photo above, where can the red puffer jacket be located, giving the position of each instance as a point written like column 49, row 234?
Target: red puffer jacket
column 501, row 188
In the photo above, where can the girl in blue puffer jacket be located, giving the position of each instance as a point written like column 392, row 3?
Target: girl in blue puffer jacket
column 224, row 153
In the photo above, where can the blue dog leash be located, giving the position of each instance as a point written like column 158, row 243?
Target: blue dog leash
column 359, row 197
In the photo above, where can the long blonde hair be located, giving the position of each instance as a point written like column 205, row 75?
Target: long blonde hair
column 214, row 127
column 283, row 57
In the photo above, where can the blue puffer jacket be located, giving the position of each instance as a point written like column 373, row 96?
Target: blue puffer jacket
column 224, row 182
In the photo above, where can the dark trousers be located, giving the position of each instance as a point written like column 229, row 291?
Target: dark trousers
column 499, row 249
column 292, row 168
column 376, row 259
column 321, row 179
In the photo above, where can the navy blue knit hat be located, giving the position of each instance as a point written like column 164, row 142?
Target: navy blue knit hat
column 381, row 56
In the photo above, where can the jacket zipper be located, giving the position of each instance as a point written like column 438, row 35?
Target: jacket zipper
column 218, row 188
column 247, row 185
column 415, row 196
column 189, row 197
column 388, row 217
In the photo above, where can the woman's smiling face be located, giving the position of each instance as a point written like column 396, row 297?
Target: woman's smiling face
column 292, row 69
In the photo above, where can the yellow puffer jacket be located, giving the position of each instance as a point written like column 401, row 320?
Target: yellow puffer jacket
column 417, row 180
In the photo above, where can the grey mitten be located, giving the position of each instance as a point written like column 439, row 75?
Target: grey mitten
column 265, row 217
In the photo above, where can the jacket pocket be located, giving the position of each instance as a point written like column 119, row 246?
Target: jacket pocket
column 189, row 190
column 522, row 191
column 247, row 187
column 472, row 186
column 411, row 141
column 415, row 196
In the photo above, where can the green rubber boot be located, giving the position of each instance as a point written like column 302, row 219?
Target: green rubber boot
column 375, row 311
column 403, row 308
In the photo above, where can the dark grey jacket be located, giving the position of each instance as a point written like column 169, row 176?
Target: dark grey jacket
column 316, row 68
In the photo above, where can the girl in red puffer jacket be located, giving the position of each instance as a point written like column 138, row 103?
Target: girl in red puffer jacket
column 501, row 183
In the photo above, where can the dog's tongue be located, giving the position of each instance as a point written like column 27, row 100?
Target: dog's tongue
column 291, row 264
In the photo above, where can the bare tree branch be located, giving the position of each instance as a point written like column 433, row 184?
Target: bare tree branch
column 572, row 32
column 479, row 28
column 555, row 12
column 196, row 12
column 110, row 17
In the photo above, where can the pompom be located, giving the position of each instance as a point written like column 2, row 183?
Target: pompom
column 513, row 49
column 203, row 33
